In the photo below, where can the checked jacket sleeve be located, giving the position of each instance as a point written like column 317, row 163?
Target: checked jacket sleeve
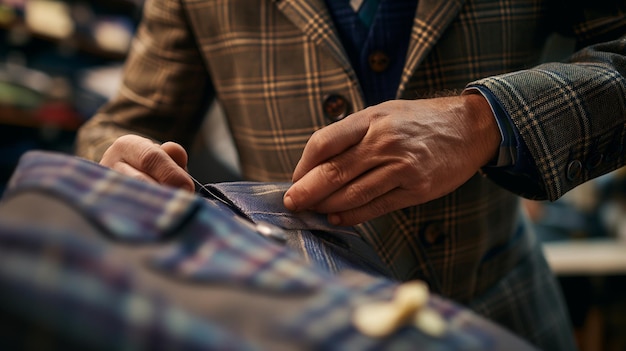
column 570, row 115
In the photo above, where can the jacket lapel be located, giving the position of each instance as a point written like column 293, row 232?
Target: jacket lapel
column 431, row 20
column 313, row 19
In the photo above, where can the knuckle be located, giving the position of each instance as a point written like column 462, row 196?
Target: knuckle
column 127, row 141
column 113, row 153
column 333, row 173
column 421, row 189
column 124, row 138
column 408, row 165
column 319, row 141
column 357, row 194
column 119, row 149
column 150, row 159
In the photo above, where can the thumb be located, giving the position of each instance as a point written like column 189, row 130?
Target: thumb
column 176, row 152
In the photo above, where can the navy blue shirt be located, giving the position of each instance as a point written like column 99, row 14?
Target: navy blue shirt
column 387, row 37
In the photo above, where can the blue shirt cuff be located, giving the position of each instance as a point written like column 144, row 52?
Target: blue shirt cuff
column 508, row 152
column 514, row 160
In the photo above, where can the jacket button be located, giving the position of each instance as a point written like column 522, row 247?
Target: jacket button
column 336, row 107
column 574, row 169
column 432, row 233
column 594, row 160
column 378, row 61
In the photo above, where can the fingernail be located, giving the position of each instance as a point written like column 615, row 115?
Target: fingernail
column 334, row 219
column 289, row 204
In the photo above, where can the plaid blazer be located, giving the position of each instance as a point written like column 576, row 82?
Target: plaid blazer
column 271, row 63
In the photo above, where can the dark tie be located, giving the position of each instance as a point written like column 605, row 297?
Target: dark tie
column 365, row 9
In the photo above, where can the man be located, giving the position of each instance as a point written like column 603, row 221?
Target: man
column 404, row 170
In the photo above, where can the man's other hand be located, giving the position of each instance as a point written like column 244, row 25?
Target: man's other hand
column 146, row 160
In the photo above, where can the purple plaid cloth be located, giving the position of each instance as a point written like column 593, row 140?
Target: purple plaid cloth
column 117, row 264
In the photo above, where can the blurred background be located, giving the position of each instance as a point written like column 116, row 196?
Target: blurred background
column 60, row 60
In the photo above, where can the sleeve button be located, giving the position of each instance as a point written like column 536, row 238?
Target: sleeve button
column 574, row 170
column 594, row 160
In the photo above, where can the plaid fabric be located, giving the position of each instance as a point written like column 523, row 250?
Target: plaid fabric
column 194, row 278
column 271, row 64
column 307, row 231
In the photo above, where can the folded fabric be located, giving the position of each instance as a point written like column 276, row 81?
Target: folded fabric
column 98, row 260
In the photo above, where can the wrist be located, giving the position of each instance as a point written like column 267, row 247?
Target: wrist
column 486, row 136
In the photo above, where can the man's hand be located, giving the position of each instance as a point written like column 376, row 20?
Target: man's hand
column 143, row 159
column 393, row 155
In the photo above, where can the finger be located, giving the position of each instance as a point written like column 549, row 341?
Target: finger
column 130, row 171
column 331, row 141
column 326, row 178
column 176, row 152
column 147, row 157
column 360, row 191
column 390, row 201
column 158, row 164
